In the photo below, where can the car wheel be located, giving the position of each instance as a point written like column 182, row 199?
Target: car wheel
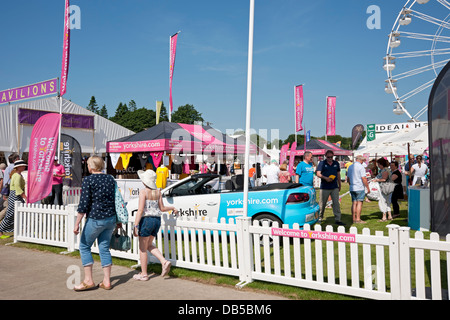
column 271, row 219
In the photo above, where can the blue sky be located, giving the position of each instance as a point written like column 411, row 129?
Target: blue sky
column 121, row 53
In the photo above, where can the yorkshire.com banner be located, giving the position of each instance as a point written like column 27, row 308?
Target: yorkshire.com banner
column 29, row 92
column 43, row 145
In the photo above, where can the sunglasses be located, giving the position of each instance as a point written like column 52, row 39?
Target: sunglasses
column 330, row 157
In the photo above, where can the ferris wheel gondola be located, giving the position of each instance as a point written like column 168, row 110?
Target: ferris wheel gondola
column 414, row 70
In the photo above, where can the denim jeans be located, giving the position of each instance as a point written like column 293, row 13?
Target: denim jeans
column 101, row 230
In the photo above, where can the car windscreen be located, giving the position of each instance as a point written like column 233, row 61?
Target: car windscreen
column 196, row 186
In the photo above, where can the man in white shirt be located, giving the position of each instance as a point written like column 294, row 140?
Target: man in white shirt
column 271, row 172
column 357, row 178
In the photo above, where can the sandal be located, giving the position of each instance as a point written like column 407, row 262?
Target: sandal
column 166, row 268
column 140, row 277
column 101, row 285
column 84, row 287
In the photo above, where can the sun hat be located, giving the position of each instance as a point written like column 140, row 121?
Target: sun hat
column 20, row 163
column 148, row 178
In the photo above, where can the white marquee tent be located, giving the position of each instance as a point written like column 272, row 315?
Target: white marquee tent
column 15, row 136
column 396, row 143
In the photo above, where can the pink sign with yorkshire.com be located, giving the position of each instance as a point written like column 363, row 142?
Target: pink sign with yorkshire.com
column 315, row 235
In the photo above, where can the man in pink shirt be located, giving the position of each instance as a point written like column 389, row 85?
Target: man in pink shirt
column 57, row 183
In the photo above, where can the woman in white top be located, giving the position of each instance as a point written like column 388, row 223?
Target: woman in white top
column 148, row 222
column 419, row 170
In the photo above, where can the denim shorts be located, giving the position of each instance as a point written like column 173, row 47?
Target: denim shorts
column 149, row 226
column 358, row 195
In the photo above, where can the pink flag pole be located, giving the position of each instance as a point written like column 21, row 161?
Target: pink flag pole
column 65, row 65
column 298, row 101
column 172, row 54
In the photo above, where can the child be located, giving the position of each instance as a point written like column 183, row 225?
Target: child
column 148, row 222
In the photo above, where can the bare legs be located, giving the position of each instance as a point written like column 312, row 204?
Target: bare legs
column 146, row 243
column 356, row 211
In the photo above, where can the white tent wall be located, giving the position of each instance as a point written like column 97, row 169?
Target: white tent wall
column 16, row 138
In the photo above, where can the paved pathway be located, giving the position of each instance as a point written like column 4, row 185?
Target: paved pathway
column 35, row 275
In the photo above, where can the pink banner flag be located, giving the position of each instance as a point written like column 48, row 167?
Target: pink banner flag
column 331, row 116
column 292, row 158
column 283, row 153
column 173, row 52
column 66, row 51
column 43, row 145
column 298, row 108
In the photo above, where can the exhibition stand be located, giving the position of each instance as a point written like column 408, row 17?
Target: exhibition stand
column 419, row 208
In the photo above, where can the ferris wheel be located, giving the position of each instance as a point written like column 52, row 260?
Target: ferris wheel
column 418, row 48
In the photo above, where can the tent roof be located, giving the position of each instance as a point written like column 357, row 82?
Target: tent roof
column 166, row 136
column 397, row 142
column 319, row 147
column 162, row 130
column 15, row 137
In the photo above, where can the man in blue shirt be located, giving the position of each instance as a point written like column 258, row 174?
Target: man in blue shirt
column 358, row 184
column 305, row 171
column 329, row 171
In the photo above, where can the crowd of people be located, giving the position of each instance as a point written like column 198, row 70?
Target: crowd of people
column 358, row 175
column 97, row 202
column 13, row 188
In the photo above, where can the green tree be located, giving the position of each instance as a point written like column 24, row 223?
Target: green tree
column 92, row 106
column 103, row 112
column 132, row 106
column 163, row 115
column 138, row 120
column 186, row 114
column 121, row 111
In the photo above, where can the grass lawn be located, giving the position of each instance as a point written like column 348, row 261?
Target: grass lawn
column 370, row 213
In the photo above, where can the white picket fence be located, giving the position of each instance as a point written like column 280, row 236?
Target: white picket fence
column 71, row 195
column 375, row 266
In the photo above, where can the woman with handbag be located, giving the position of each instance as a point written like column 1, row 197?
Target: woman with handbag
column 385, row 196
column 148, row 221
column 97, row 203
column 16, row 193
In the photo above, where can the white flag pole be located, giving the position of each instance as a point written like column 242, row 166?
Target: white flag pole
column 249, row 106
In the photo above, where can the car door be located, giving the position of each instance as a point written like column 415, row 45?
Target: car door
column 195, row 198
